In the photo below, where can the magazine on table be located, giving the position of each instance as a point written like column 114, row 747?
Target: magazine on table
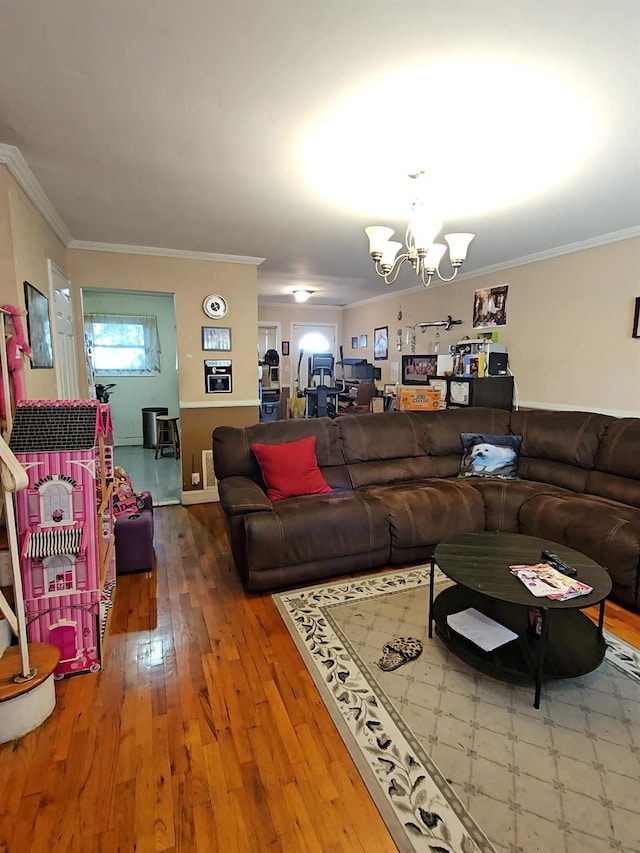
column 542, row 579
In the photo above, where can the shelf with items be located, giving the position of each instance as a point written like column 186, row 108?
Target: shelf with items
column 495, row 392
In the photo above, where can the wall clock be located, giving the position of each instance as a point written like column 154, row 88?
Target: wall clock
column 215, row 307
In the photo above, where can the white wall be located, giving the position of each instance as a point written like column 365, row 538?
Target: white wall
column 132, row 393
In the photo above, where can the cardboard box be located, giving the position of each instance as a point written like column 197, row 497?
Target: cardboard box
column 419, row 398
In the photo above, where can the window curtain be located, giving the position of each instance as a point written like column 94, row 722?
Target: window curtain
column 130, row 343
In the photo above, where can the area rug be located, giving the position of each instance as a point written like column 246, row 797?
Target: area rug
column 457, row 761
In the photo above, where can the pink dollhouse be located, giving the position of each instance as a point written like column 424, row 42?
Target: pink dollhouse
column 65, row 526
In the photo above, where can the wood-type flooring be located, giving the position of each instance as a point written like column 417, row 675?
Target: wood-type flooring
column 203, row 733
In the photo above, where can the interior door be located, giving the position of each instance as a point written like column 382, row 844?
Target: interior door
column 64, row 336
column 307, row 338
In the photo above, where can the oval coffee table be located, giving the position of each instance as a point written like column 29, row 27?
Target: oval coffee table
column 569, row 643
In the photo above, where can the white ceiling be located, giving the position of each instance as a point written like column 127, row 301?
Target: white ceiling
column 184, row 125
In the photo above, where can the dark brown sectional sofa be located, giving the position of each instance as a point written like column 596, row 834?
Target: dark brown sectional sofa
column 396, row 492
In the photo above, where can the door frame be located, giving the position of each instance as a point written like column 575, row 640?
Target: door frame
column 311, row 325
column 53, row 270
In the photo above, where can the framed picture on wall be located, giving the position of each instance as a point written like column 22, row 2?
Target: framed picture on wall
column 354, row 343
column 363, row 341
column 216, row 338
column 381, row 343
column 38, row 326
column 636, row 319
column 490, row 307
column 285, row 347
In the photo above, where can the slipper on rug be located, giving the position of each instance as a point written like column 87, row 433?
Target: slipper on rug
column 398, row 652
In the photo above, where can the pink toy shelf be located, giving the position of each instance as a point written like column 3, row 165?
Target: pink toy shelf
column 65, row 526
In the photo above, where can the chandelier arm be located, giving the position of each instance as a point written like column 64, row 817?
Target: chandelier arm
column 422, row 277
column 393, row 272
column 451, row 277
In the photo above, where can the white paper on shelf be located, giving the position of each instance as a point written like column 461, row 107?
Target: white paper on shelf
column 480, row 629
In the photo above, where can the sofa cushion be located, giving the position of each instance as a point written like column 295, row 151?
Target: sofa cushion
column 607, row 532
column 442, row 430
column 385, row 448
column 421, row 514
column 490, row 455
column 571, row 438
column 617, row 467
column 232, row 454
column 291, row 468
column 503, row 500
column 316, row 529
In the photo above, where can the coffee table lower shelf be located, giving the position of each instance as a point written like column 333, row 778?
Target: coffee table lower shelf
column 574, row 644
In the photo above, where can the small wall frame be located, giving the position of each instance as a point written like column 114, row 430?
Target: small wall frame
column 216, row 338
column 636, row 320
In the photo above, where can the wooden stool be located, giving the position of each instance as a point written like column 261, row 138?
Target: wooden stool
column 167, row 435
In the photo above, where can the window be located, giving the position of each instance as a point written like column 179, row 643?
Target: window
column 315, row 342
column 268, row 338
column 59, row 573
column 123, row 345
column 55, row 503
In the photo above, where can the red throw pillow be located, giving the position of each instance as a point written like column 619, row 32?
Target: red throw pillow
column 291, row 468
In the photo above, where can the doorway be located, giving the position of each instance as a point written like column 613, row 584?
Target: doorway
column 307, row 338
column 64, row 335
column 138, row 358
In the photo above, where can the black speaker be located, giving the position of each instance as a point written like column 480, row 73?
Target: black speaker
column 498, row 362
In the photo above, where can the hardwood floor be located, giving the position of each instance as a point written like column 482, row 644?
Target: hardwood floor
column 204, row 732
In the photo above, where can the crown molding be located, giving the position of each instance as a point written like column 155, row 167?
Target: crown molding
column 17, row 166
column 124, row 249
column 548, row 254
column 26, row 180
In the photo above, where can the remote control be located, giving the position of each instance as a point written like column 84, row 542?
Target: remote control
column 558, row 563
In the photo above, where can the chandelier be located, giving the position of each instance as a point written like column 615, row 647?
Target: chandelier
column 422, row 253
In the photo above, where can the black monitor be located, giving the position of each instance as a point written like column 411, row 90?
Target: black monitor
column 321, row 364
column 417, row 368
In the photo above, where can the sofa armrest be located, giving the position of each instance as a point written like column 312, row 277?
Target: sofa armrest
column 240, row 495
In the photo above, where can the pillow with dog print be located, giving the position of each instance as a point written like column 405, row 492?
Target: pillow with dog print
column 490, row 455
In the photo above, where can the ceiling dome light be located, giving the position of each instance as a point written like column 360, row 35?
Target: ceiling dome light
column 302, row 295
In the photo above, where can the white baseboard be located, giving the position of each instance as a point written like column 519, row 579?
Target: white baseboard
column 199, row 496
column 561, row 407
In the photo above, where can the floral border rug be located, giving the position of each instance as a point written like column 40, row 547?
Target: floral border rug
column 457, row 761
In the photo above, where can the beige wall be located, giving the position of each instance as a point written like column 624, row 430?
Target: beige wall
column 191, row 281
column 7, row 271
column 27, row 244
column 26, row 237
column 568, row 329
